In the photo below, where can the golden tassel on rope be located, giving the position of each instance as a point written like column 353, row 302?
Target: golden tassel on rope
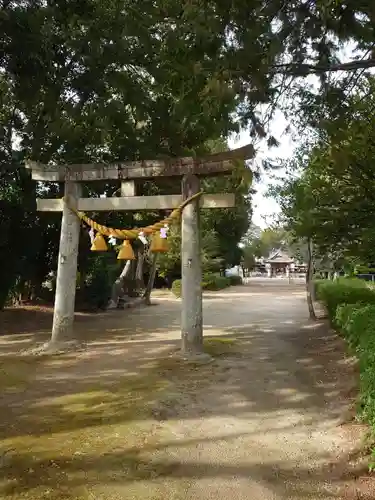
column 99, row 244
column 158, row 244
column 126, row 251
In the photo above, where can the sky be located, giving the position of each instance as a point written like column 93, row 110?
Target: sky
column 264, row 209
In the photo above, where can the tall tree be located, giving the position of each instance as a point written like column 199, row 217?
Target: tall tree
column 332, row 200
column 110, row 80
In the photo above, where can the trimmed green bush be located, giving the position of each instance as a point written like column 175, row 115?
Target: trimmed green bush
column 318, row 284
column 351, row 307
column 97, row 290
column 364, row 270
column 214, row 282
column 235, row 280
column 220, row 282
column 343, row 291
column 210, row 282
column 359, row 330
column 343, row 320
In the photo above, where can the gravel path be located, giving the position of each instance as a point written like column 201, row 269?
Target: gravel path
column 267, row 426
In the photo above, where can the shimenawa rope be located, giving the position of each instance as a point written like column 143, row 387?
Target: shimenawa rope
column 129, row 234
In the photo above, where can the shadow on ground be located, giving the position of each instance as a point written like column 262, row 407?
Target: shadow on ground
column 69, row 475
column 300, row 377
column 72, row 422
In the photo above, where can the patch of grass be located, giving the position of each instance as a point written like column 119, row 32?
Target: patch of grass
column 64, row 446
column 210, row 282
column 16, row 372
column 220, row 346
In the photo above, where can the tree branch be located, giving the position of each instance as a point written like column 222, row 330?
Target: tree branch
column 305, row 69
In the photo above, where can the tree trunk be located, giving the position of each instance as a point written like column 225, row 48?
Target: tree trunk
column 117, row 287
column 151, row 280
column 310, row 292
column 129, row 283
column 139, row 280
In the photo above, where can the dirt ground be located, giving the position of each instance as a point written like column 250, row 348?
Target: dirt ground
column 125, row 419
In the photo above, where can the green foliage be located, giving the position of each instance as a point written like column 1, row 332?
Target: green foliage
column 235, row 280
column 177, row 288
column 271, row 239
column 364, row 270
column 169, row 263
column 343, row 291
column 109, row 81
column 229, row 225
column 357, row 324
column 222, row 229
column 248, row 258
column 343, row 320
column 98, row 284
column 351, row 307
column 107, row 73
column 73, row 97
column 319, row 284
column 212, row 282
column 330, row 196
column 260, row 243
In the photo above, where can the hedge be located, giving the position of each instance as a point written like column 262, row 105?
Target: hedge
column 209, row 282
column 343, row 318
column 343, row 291
column 351, row 308
column 364, row 270
column 357, row 324
column 214, row 282
column 235, row 280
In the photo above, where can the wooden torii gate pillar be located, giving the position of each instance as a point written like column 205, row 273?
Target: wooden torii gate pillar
column 127, row 173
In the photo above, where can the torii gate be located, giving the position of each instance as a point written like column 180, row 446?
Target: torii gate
column 127, row 173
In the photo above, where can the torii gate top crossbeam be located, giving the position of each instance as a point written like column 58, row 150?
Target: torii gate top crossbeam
column 213, row 164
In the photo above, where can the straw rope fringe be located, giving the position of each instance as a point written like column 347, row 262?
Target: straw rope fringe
column 131, row 234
